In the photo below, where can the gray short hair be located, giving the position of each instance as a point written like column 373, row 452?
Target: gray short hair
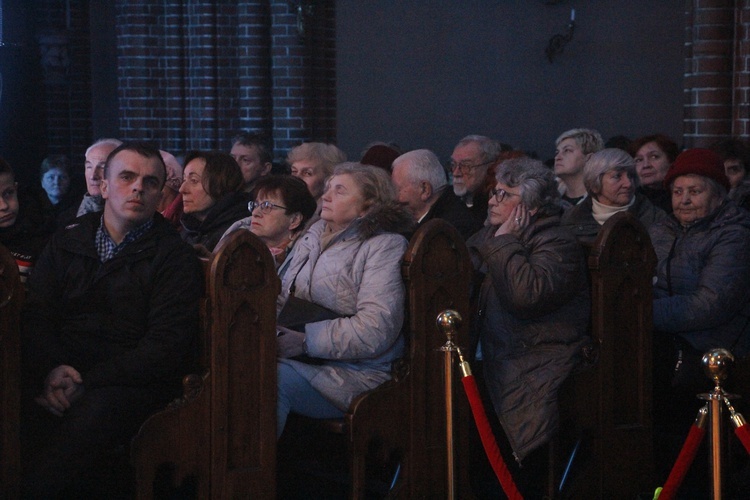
column 375, row 183
column 423, row 165
column 537, row 184
column 490, row 148
column 589, row 140
column 109, row 141
column 602, row 162
column 328, row 155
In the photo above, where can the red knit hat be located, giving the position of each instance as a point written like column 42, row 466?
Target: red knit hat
column 698, row 161
column 380, row 155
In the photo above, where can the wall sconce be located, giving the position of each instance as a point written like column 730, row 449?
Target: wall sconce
column 304, row 9
column 558, row 42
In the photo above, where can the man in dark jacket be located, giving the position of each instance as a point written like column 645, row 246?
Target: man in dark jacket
column 422, row 187
column 109, row 327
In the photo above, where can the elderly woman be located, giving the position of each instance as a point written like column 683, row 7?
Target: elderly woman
column 653, row 155
column 211, row 197
column 700, row 293
column 703, row 273
column 281, row 209
column 534, row 308
column 348, row 262
column 610, row 180
column 313, row 162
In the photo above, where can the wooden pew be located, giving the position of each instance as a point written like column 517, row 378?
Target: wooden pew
column 607, row 405
column 401, row 424
column 219, row 439
column 11, row 299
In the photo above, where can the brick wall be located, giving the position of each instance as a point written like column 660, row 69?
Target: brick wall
column 741, row 83
column 716, row 71
column 191, row 75
column 67, row 91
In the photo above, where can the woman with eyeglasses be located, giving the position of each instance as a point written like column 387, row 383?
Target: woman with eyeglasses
column 533, row 312
column 611, row 181
column 212, row 198
column 348, row 262
column 283, row 205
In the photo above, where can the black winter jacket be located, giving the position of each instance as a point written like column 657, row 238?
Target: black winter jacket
column 131, row 321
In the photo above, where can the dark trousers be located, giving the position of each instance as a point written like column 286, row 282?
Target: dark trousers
column 62, row 453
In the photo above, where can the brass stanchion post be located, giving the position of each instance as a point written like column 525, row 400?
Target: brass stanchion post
column 716, row 363
column 448, row 322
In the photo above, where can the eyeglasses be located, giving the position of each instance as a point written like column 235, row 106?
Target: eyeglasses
column 501, row 194
column 465, row 167
column 265, row 206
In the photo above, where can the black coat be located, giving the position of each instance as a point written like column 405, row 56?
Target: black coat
column 452, row 209
column 131, row 321
column 228, row 210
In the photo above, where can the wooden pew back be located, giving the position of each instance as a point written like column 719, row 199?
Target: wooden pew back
column 11, row 300
column 219, row 439
column 611, row 401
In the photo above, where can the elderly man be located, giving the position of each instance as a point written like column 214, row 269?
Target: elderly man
column 254, row 154
column 471, row 158
column 96, row 155
column 421, row 185
column 109, row 328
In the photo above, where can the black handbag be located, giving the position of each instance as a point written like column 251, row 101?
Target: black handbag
column 297, row 312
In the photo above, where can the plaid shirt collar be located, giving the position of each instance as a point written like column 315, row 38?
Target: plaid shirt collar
column 105, row 245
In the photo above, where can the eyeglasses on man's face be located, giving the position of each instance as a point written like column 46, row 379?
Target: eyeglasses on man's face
column 265, row 206
column 501, row 194
column 465, row 167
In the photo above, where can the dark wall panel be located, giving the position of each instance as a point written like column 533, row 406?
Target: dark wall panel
column 426, row 73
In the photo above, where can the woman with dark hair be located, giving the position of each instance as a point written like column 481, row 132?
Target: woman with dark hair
column 283, row 205
column 653, row 155
column 533, row 308
column 735, row 154
column 211, row 197
column 611, row 181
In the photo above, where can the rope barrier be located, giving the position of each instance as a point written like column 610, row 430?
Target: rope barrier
column 485, row 431
column 685, row 458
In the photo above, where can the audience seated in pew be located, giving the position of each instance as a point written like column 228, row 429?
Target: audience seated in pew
column 610, row 179
column 532, row 313
column 653, row 155
column 212, row 197
column 700, row 293
column 280, row 213
column 24, row 230
column 109, row 329
column 348, row 263
column 422, row 187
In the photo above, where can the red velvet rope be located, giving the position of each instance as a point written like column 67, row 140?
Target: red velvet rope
column 488, row 440
column 744, row 436
column 684, row 460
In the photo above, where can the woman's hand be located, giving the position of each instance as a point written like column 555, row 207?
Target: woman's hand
column 516, row 223
column 289, row 343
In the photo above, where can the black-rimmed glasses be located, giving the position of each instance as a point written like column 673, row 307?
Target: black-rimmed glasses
column 465, row 167
column 501, row 194
column 265, row 206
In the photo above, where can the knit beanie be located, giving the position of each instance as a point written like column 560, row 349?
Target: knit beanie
column 698, row 161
